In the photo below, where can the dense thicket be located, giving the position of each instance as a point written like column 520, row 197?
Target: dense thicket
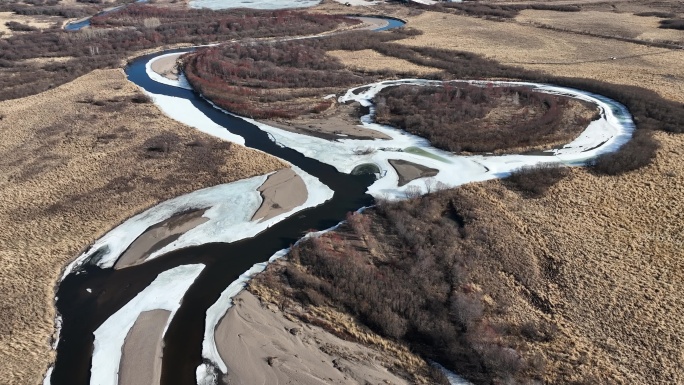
column 146, row 27
column 637, row 153
column 410, row 271
column 250, row 79
column 534, row 181
column 458, row 117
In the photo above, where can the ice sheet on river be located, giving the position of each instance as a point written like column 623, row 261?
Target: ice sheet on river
column 606, row 134
column 164, row 293
column 230, row 208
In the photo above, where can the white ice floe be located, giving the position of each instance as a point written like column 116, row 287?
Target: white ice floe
column 164, row 293
column 182, row 110
column 229, row 210
column 182, row 82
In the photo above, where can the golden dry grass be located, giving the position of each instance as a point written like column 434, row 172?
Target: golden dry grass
column 618, row 244
column 604, row 23
column 371, row 60
column 557, row 53
column 40, row 22
column 70, row 172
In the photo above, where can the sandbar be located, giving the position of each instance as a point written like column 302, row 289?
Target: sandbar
column 166, row 66
column 283, row 191
column 409, row 171
column 158, row 236
column 141, row 358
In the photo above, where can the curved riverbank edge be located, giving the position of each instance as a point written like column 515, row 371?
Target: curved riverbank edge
column 164, row 293
column 604, row 135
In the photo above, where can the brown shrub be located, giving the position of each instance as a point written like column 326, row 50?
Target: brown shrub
column 534, row 181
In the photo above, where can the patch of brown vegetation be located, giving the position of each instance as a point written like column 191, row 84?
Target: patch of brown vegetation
column 554, row 52
column 604, row 23
column 468, row 118
column 577, row 286
column 370, row 60
column 76, row 161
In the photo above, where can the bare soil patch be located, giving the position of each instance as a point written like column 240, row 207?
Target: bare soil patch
column 77, row 161
column 282, row 192
column 340, row 121
column 141, row 357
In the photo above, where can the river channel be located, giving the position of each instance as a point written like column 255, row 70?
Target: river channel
column 88, row 297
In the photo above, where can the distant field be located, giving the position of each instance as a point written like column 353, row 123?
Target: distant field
column 557, row 53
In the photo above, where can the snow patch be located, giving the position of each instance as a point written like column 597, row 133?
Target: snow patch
column 165, row 292
column 184, row 111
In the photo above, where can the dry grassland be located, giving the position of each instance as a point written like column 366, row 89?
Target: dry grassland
column 616, row 245
column 556, row 53
column 40, row 22
column 371, row 60
column 604, row 23
column 72, row 170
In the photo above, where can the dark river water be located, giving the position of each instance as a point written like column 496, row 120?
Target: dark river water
column 83, row 312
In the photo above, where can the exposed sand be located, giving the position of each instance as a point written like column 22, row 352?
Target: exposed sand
column 141, row 358
column 166, row 66
column 409, row 171
column 158, row 236
column 369, row 59
column 262, row 346
column 281, row 192
column 70, row 170
column 557, row 53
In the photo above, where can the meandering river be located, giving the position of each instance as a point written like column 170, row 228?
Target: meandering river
column 91, row 295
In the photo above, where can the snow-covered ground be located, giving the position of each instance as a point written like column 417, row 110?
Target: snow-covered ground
column 230, row 208
column 164, row 293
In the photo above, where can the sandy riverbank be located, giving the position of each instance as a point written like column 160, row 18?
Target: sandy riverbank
column 275, row 349
column 75, row 162
column 166, row 66
column 141, row 357
column 282, row 192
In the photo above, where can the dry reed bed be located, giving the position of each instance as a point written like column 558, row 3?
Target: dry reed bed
column 617, row 243
column 72, row 170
